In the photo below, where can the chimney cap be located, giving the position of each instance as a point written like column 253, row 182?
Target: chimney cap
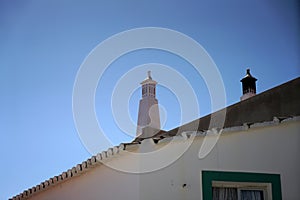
column 149, row 79
column 248, row 76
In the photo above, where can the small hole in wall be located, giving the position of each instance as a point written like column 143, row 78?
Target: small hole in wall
column 184, row 185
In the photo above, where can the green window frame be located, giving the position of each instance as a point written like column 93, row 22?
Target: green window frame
column 209, row 176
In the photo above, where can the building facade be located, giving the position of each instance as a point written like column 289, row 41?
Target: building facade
column 256, row 156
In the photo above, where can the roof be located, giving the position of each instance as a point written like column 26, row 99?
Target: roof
column 281, row 101
column 275, row 106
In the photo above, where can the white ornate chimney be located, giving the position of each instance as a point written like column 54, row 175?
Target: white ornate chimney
column 148, row 117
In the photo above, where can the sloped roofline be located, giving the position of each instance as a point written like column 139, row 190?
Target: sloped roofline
column 281, row 105
column 96, row 160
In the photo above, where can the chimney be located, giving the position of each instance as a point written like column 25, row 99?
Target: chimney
column 248, row 86
column 148, row 116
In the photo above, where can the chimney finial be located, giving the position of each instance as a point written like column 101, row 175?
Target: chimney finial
column 149, row 74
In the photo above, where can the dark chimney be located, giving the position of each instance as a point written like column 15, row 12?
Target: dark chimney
column 248, row 86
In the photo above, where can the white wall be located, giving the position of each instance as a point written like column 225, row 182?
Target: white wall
column 98, row 183
column 271, row 149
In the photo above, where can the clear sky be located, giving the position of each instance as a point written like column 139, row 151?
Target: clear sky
column 43, row 44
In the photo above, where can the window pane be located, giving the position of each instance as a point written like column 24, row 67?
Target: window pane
column 252, row 195
column 223, row 193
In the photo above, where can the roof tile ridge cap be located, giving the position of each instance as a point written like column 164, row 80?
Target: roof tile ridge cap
column 291, row 119
column 101, row 156
column 185, row 135
column 275, row 121
column 248, row 125
column 42, row 186
column 74, row 171
column 189, row 134
column 243, row 127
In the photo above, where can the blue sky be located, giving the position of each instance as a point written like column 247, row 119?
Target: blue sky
column 43, row 44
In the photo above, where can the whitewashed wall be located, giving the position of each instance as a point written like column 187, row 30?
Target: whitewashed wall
column 270, row 149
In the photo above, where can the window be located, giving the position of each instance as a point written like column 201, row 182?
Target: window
column 240, row 186
column 144, row 91
column 240, row 191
